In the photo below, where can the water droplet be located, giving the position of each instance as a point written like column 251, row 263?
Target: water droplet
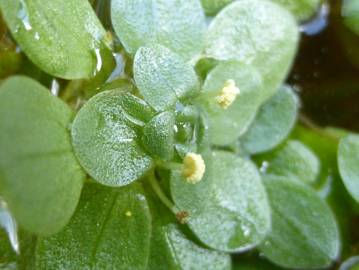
column 37, row 36
column 264, row 167
column 319, row 23
column 119, row 68
column 98, row 61
column 55, row 87
column 9, row 225
column 23, row 15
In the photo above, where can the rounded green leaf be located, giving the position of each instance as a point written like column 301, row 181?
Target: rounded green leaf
column 350, row 264
column 40, row 178
column 304, row 232
column 163, row 77
column 211, row 7
column 256, row 32
column 301, row 9
column 111, row 229
column 171, row 248
column 158, row 135
column 228, row 209
column 348, row 160
column 350, row 13
column 176, row 24
column 226, row 125
column 293, row 160
column 61, row 37
column 273, row 123
column 106, row 136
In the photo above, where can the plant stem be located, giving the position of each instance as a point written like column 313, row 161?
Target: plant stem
column 170, row 165
column 313, row 126
column 161, row 195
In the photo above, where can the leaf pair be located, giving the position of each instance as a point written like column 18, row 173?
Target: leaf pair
column 119, row 228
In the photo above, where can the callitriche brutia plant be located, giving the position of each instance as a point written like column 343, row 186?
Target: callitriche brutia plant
column 159, row 134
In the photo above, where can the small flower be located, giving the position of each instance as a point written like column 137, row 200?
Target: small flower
column 228, row 94
column 193, row 168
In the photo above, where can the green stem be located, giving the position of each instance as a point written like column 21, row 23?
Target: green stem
column 161, row 195
column 313, row 126
column 170, row 165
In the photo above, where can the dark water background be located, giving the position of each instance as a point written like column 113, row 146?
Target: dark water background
column 326, row 70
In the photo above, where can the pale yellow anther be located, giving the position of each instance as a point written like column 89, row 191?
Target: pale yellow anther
column 128, row 213
column 193, row 168
column 228, row 94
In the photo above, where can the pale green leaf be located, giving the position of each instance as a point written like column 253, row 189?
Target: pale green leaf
column 107, row 137
column 350, row 264
column 226, row 125
column 273, row 123
column 256, row 32
column 228, row 208
column 158, row 135
column 348, row 160
column 304, row 232
column 63, row 38
column 176, row 24
column 301, row 9
column 111, row 229
column 293, row 160
column 163, row 77
column 40, row 179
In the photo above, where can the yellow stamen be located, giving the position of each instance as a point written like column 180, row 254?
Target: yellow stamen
column 128, row 214
column 193, row 168
column 228, row 94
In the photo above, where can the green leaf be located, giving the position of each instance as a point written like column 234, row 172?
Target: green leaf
column 350, row 264
column 330, row 185
column 228, row 208
column 40, row 179
column 293, row 160
column 107, row 137
column 7, row 255
column 172, row 249
column 191, row 130
column 348, row 160
column 350, row 13
column 226, row 125
column 61, row 37
column 111, row 229
column 301, row 9
column 158, row 135
column 211, row 7
column 256, row 32
column 304, row 233
column 163, row 77
column 273, row 123
column 176, row 24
